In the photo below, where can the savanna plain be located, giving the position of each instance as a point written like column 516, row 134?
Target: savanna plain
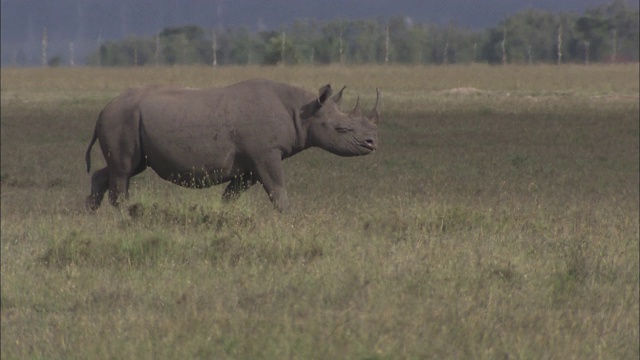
column 499, row 219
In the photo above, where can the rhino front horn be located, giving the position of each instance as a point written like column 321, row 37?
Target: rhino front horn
column 374, row 116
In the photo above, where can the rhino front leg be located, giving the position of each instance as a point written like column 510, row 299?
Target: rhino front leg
column 236, row 187
column 99, row 185
column 271, row 176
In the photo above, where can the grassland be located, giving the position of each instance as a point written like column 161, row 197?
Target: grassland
column 498, row 220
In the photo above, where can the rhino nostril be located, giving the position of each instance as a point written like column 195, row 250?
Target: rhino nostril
column 370, row 143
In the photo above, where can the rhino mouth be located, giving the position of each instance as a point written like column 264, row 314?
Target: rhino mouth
column 368, row 144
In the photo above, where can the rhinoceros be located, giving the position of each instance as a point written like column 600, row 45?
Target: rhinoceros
column 238, row 134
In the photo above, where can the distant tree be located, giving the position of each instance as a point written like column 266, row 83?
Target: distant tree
column 274, row 50
column 443, row 45
column 531, row 36
column 185, row 45
column 601, row 33
column 54, row 61
column 615, row 24
column 402, row 46
column 490, row 50
column 461, row 44
column 595, row 31
column 521, row 43
column 334, row 41
column 243, row 47
column 303, row 36
column 418, row 39
column 191, row 32
column 364, row 41
column 566, row 23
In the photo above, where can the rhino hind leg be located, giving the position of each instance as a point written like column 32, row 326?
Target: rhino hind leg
column 120, row 175
column 99, row 185
column 118, row 188
column 236, row 187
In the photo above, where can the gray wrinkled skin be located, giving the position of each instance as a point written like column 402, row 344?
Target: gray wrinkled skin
column 238, row 134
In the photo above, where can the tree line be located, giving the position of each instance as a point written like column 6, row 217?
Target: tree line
column 608, row 33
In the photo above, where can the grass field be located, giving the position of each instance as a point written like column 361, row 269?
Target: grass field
column 499, row 219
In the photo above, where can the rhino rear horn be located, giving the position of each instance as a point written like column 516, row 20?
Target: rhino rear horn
column 337, row 98
column 374, row 116
column 356, row 112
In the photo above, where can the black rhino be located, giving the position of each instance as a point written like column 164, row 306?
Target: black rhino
column 238, row 134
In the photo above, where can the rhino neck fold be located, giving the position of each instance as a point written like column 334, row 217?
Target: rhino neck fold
column 300, row 127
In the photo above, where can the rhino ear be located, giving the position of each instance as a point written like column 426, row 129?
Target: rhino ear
column 311, row 108
column 356, row 112
column 337, row 98
column 374, row 116
column 325, row 92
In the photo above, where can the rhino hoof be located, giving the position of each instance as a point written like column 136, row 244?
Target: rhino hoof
column 91, row 205
column 136, row 210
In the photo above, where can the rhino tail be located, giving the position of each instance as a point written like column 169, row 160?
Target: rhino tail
column 88, row 154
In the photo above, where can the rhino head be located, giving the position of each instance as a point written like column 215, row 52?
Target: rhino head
column 344, row 134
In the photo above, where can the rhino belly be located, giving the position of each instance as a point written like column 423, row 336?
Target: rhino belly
column 193, row 165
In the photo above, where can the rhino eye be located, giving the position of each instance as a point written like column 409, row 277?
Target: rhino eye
column 343, row 129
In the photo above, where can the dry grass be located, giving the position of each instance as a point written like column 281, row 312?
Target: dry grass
column 499, row 219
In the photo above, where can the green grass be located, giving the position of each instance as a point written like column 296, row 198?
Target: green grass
column 498, row 219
